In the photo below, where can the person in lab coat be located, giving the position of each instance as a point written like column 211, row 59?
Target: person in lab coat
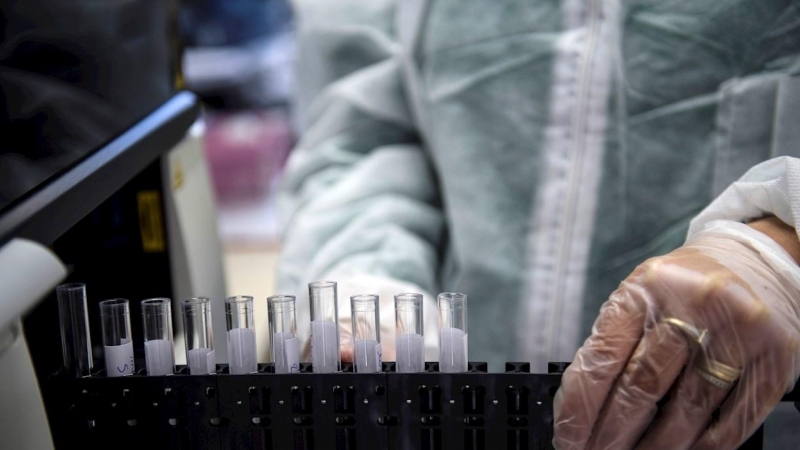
column 535, row 154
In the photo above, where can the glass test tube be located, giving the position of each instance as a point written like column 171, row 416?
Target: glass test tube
column 366, row 333
column 409, row 326
column 241, row 335
column 76, row 344
column 199, row 336
column 115, row 319
column 452, row 332
column 159, row 351
column 325, row 354
column 283, row 330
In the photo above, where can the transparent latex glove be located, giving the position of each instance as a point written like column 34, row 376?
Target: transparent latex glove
column 727, row 285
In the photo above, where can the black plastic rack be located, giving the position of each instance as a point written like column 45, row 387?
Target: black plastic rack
column 474, row 410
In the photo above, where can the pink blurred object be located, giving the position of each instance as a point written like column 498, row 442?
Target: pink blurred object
column 246, row 151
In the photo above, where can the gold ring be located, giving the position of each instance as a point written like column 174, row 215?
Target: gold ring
column 719, row 370
column 700, row 337
column 722, row 384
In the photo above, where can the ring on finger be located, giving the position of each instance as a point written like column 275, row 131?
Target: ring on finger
column 718, row 382
column 719, row 374
column 719, row 370
column 697, row 336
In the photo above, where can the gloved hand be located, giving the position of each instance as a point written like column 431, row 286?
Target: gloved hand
column 735, row 283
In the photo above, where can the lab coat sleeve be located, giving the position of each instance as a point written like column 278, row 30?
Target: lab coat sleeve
column 358, row 203
column 771, row 188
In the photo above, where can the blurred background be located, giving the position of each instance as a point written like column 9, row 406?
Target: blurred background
column 238, row 58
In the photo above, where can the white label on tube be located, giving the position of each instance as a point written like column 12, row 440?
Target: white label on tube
column 201, row 361
column 452, row 350
column 293, row 354
column 119, row 360
column 286, row 353
column 410, row 353
column 242, row 351
column 324, row 346
column 368, row 356
column 158, row 355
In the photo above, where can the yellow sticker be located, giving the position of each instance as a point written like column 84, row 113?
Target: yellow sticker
column 177, row 175
column 151, row 226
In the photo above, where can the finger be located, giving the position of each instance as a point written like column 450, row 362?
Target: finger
column 754, row 397
column 736, row 320
column 587, row 381
column 653, row 368
column 346, row 355
column 690, row 407
column 346, row 345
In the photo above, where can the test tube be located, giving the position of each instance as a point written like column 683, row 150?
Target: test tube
column 159, row 351
column 76, row 344
column 366, row 333
column 283, row 329
column 115, row 319
column 241, row 335
column 452, row 332
column 409, row 341
column 325, row 354
column 198, row 335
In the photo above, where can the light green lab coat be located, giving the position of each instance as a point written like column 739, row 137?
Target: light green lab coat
column 527, row 153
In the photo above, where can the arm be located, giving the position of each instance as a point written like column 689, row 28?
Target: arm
column 359, row 202
column 782, row 234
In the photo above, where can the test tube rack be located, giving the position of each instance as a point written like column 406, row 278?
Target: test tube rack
column 474, row 410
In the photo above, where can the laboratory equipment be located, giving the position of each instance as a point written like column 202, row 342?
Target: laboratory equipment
column 115, row 320
column 76, row 343
column 98, row 194
column 365, row 314
column 29, row 273
column 159, row 351
column 510, row 408
column 241, row 335
column 410, row 332
column 453, row 347
column 198, row 335
column 325, row 352
column 283, row 332
column 368, row 404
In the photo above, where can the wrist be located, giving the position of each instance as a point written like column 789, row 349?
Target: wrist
column 781, row 233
